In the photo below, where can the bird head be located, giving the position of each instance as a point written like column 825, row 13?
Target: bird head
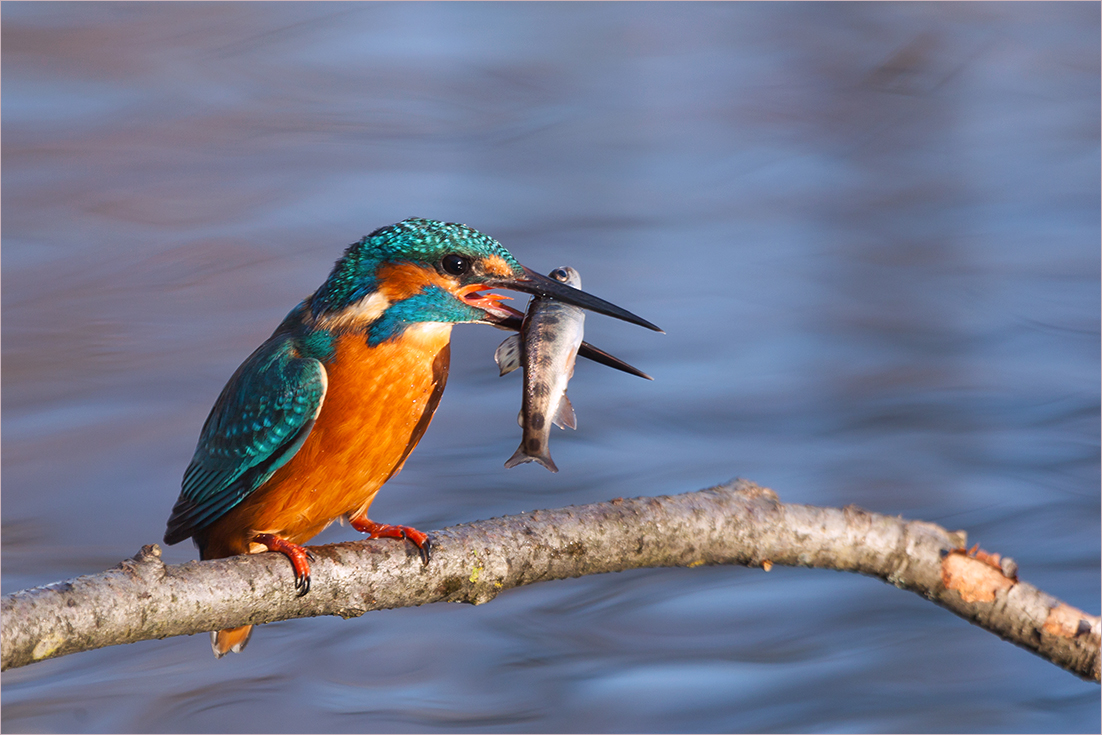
column 421, row 270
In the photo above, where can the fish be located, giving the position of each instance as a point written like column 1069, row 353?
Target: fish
column 546, row 346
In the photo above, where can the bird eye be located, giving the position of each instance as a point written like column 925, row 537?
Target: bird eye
column 455, row 264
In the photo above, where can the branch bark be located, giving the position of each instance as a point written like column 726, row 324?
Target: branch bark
column 737, row 523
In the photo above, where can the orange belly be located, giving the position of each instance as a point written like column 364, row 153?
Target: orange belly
column 378, row 403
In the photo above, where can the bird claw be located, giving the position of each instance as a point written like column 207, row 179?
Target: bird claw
column 299, row 557
column 302, row 584
column 423, row 549
column 382, row 530
column 302, row 581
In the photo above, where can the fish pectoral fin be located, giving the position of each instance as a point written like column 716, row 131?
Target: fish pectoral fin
column 564, row 417
column 507, row 355
column 520, row 418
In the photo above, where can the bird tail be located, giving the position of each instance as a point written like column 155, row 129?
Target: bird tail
column 232, row 639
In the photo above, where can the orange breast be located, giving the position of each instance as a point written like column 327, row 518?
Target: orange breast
column 378, row 403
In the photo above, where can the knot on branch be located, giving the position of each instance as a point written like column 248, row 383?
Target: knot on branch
column 146, row 564
column 748, row 490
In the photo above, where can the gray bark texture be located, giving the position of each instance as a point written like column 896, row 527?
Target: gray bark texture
column 737, row 523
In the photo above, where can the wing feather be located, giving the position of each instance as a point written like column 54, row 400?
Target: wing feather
column 259, row 422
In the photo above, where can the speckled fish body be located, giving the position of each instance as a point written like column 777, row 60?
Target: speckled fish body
column 547, row 347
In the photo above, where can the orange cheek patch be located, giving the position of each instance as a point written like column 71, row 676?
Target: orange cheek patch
column 399, row 281
column 495, row 265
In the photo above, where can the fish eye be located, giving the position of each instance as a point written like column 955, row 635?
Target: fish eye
column 560, row 274
column 455, row 264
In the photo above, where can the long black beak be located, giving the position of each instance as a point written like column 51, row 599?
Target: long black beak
column 533, row 283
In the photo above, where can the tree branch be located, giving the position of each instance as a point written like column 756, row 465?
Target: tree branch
column 737, row 523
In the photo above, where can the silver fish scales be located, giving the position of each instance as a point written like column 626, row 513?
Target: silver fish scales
column 546, row 346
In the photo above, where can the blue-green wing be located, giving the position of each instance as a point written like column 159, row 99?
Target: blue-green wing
column 259, row 422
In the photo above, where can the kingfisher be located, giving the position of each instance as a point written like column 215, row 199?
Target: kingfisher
column 329, row 407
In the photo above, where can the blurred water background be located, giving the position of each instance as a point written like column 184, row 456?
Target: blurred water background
column 871, row 232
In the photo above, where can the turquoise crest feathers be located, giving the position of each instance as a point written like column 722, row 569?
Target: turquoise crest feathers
column 411, row 240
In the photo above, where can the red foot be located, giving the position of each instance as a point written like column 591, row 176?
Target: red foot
column 423, row 543
column 300, row 558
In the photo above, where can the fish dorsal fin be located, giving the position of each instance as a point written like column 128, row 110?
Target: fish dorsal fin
column 507, row 355
column 564, row 417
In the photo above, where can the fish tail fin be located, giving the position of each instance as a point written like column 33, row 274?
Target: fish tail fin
column 520, row 457
column 231, row 639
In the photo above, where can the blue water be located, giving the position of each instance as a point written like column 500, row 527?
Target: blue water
column 871, row 232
